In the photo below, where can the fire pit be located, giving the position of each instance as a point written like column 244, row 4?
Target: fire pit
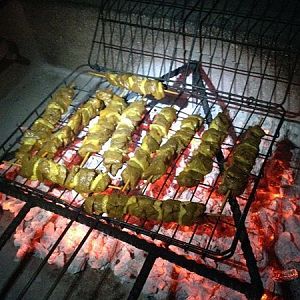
column 49, row 221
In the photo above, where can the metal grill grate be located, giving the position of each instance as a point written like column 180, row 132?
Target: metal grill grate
column 241, row 119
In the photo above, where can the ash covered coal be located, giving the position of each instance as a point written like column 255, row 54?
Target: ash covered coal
column 273, row 226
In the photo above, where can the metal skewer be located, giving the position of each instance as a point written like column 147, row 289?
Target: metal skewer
column 19, row 165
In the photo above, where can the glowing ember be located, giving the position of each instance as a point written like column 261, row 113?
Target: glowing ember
column 273, row 227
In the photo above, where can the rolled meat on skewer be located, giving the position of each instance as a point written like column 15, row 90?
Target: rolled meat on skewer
column 115, row 155
column 118, row 205
column 172, row 148
column 101, row 132
column 82, row 180
column 137, row 84
column 142, row 157
column 201, row 162
column 238, row 169
column 67, row 133
column 42, row 128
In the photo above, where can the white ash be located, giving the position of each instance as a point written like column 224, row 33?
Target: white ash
column 78, row 263
column 6, row 169
column 287, row 207
column 30, row 228
column 226, row 293
column 93, row 162
column 127, row 262
column 57, row 258
column 49, row 235
column 296, row 239
column 268, row 280
column 32, row 183
column 261, row 254
column 292, row 225
column 103, row 251
column 200, row 240
column 68, row 156
column 286, row 251
column 192, row 287
column 159, row 280
column 279, row 217
column 42, row 187
column 20, row 179
column 12, row 204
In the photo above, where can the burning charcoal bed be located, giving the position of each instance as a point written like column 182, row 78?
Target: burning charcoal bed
column 166, row 162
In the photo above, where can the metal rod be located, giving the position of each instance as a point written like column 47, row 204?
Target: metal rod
column 14, row 224
column 45, row 260
column 142, row 277
column 258, row 289
column 67, row 264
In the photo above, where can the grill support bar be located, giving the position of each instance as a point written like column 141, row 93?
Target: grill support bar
column 142, row 277
column 9, row 231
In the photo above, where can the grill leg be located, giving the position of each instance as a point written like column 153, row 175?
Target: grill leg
column 142, row 277
column 258, row 288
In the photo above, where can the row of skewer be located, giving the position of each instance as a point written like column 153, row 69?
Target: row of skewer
column 117, row 121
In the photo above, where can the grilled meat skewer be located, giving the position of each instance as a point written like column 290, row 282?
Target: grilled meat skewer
column 118, row 205
column 150, row 143
column 137, row 84
column 67, row 133
column 115, row 155
column 237, row 171
column 167, row 152
column 82, row 180
column 42, row 128
column 101, row 132
column 201, row 162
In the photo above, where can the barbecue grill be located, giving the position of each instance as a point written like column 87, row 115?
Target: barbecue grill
column 212, row 57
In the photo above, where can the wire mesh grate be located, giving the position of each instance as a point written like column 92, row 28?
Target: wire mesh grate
column 202, row 238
